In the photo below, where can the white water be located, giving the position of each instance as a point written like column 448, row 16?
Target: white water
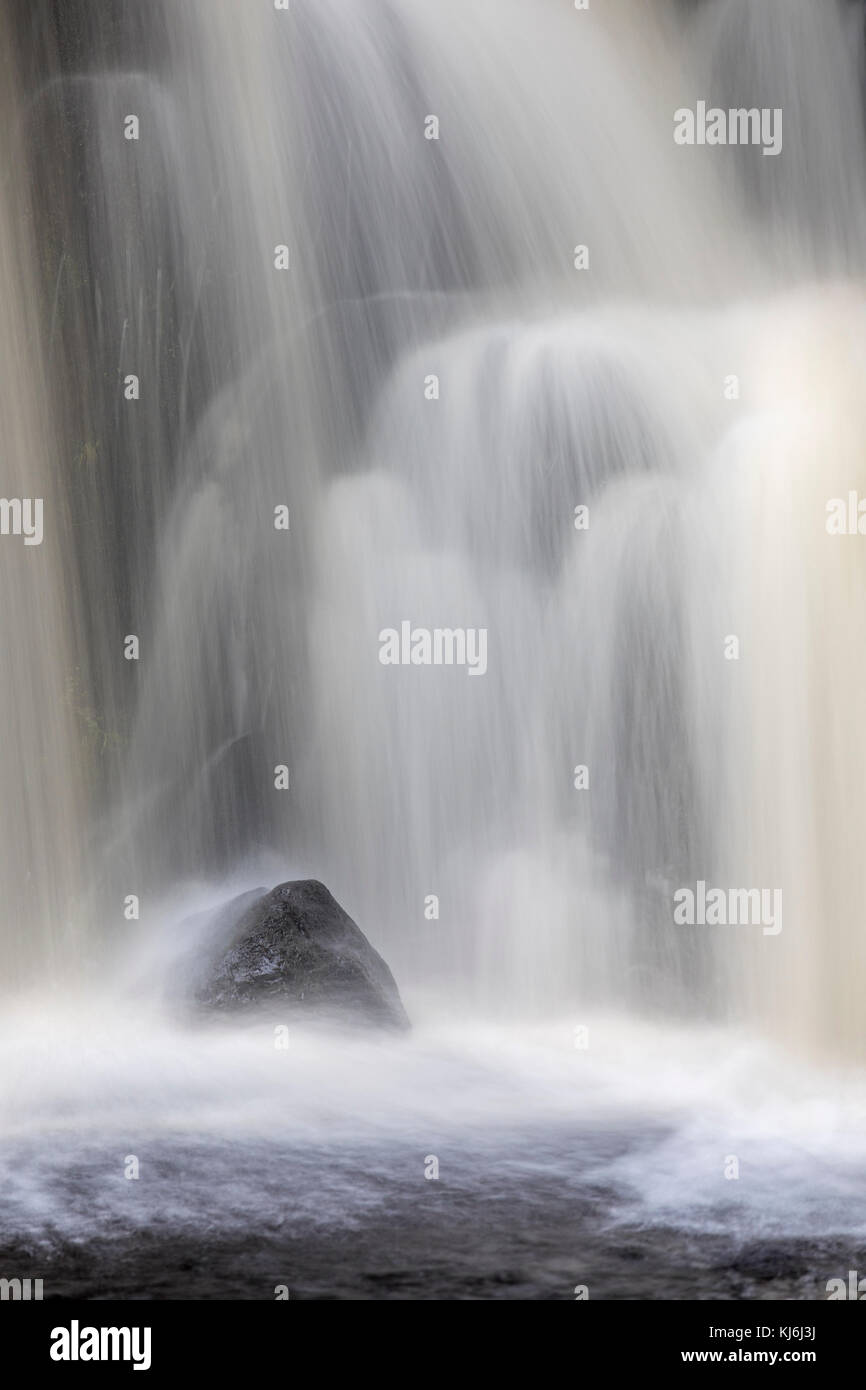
column 558, row 387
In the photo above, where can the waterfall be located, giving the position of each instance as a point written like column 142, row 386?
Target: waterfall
column 414, row 259
column 432, row 387
column 432, row 459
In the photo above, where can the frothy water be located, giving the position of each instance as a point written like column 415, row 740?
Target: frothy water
column 546, row 375
column 308, row 1165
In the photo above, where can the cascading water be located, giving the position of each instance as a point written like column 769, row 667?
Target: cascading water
column 435, row 387
column 420, row 258
column 39, row 764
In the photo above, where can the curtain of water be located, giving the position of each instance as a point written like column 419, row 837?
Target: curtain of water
column 414, row 258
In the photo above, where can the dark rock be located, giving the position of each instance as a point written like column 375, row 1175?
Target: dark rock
column 296, row 946
column 774, row 1261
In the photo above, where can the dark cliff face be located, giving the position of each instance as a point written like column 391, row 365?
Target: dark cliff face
column 295, row 948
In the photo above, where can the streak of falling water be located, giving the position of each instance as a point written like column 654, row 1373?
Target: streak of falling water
column 40, row 843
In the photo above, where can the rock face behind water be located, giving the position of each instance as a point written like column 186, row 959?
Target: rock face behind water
column 295, row 947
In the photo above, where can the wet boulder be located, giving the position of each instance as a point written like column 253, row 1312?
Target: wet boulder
column 295, row 948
